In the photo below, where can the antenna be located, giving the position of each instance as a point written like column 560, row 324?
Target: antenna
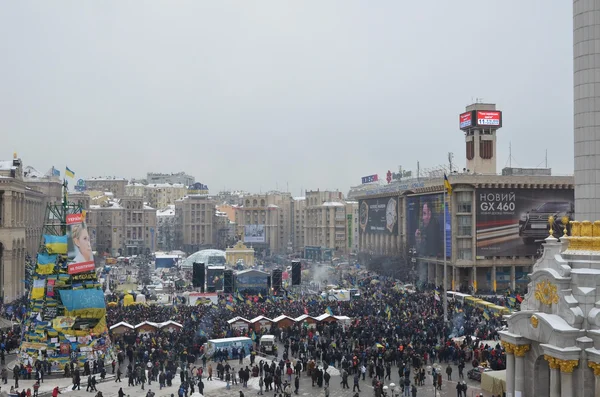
column 418, row 171
column 546, row 158
column 510, row 154
column 450, row 157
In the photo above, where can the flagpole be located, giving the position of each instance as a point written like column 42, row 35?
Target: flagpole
column 445, row 297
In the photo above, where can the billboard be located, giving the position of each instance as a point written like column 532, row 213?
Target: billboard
column 425, row 225
column 81, row 257
column 214, row 278
column 489, row 118
column 379, row 216
column 370, row 178
column 198, row 188
column 254, row 233
column 514, row 222
column 466, row 119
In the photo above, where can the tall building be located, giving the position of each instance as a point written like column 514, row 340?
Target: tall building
column 264, row 222
column 157, row 195
column 494, row 224
column 125, row 226
column 176, row 178
column 586, row 61
column 326, row 224
column 194, row 217
column 299, row 214
column 22, row 216
column 107, row 184
column 165, row 221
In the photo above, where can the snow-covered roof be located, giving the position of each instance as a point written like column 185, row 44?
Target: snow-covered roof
column 256, row 319
column 169, row 211
column 272, row 206
column 323, row 317
column 31, row 172
column 333, row 204
column 165, row 185
column 299, row 198
column 122, row 324
column 204, row 256
column 282, row 317
column 147, row 207
column 302, row 318
column 108, row 178
column 170, row 322
column 7, row 165
column 236, row 319
column 150, row 323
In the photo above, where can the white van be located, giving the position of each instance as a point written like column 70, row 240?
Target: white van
column 267, row 344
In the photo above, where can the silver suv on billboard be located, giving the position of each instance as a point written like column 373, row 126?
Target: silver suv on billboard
column 533, row 225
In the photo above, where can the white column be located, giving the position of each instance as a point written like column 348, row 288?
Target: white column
column 510, row 371
column 519, row 374
column 566, row 383
column 554, row 382
column 566, row 376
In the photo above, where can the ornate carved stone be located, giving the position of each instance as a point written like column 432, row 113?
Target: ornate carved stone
column 567, row 365
column 509, row 348
column 521, row 350
column 545, row 292
column 534, row 321
column 595, row 367
column 552, row 361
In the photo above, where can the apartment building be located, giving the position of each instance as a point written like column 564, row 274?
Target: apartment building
column 327, row 225
column 157, row 195
column 299, row 212
column 107, row 184
column 174, row 178
column 165, row 220
column 125, row 226
column 194, row 217
column 22, row 215
column 264, row 222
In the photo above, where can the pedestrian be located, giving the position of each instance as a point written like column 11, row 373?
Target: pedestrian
column 356, row 382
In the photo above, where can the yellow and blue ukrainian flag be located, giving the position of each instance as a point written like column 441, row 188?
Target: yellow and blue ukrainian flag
column 69, row 173
column 447, row 185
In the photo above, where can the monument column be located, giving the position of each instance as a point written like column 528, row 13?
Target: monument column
column 510, row 368
column 566, row 376
column 554, row 376
column 520, row 351
column 596, row 368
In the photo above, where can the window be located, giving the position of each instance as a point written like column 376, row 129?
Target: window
column 470, row 150
column 463, row 200
column 464, row 249
column 464, row 225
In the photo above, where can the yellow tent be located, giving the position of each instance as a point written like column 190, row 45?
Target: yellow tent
column 128, row 300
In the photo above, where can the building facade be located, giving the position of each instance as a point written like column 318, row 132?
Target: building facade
column 326, row 222
column 494, row 226
column 157, row 195
column 107, row 184
column 299, row 216
column 22, row 217
column 165, row 222
column 177, row 178
column 264, row 222
column 194, row 217
column 125, row 226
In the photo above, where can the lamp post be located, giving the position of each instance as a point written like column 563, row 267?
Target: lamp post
column 393, row 389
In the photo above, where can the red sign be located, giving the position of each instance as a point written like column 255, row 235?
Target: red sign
column 488, row 118
column 465, row 120
column 74, row 218
column 81, row 267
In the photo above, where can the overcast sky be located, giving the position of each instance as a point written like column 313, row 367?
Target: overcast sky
column 255, row 95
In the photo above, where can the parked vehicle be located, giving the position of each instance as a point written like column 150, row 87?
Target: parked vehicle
column 476, row 372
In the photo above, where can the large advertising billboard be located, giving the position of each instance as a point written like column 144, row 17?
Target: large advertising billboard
column 514, row 222
column 254, row 233
column 425, row 225
column 491, row 118
column 379, row 216
column 465, row 119
column 214, row 278
column 81, row 257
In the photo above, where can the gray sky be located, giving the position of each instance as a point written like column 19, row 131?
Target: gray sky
column 248, row 94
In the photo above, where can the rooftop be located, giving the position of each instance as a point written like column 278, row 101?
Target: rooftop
column 6, row 165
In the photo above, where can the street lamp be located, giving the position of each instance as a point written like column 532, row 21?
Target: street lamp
column 393, row 389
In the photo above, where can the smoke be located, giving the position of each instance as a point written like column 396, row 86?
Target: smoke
column 320, row 275
column 458, row 325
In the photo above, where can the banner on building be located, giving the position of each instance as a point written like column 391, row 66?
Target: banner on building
column 349, row 217
column 378, row 216
column 514, row 222
column 425, row 225
column 81, row 258
column 254, row 233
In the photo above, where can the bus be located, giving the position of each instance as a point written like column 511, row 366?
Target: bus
column 457, row 296
column 213, row 345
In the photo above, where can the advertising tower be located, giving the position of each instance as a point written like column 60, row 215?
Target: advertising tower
column 480, row 122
